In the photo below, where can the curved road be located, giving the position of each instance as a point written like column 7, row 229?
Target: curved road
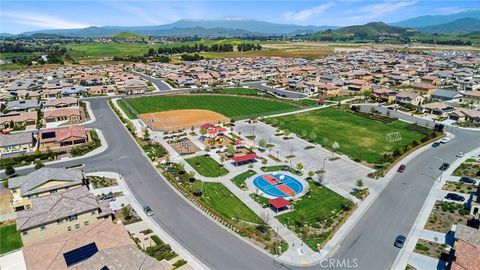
column 370, row 241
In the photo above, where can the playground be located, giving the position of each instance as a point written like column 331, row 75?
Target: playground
column 181, row 119
column 278, row 185
column 184, row 146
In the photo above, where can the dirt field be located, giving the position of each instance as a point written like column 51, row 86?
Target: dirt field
column 181, row 119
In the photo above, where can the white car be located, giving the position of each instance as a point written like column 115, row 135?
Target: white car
column 460, row 154
column 445, row 140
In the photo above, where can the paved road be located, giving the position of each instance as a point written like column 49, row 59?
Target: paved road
column 162, row 86
column 277, row 92
column 370, row 241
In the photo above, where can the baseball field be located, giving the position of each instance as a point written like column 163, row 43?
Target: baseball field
column 233, row 107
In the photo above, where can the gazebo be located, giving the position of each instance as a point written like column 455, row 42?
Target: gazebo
column 239, row 160
column 278, row 204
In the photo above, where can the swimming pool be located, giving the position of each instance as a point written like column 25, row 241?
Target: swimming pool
column 278, row 185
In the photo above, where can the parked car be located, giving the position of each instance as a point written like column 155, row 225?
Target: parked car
column 444, row 166
column 435, row 144
column 108, row 198
column 402, row 168
column 148, row 210
column 445, row 140
column 467, row 180
column 460, row 154
column 400, row 241
column 455, row 197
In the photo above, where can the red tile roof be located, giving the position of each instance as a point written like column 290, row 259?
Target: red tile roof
column 279, row 202
column 244, row 158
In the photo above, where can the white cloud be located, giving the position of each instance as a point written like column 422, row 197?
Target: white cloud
column 137, row 11
column 40, row 20
column 373, row 11
column 303, row 15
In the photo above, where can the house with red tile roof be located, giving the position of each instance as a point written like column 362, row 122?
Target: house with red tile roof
column 62, row 137
column 71, row 115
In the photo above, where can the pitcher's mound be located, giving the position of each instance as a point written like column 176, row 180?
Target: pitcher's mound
column 181, row 119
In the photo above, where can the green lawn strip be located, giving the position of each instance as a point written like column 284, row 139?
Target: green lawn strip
column 130, row 114
column 207, row 166
column 217, row 196
column 358, row 137
column 239, row 180
column 308, row 102
column 237, row 107
column 239, row 91
column 10, row 238
column 260, row 200
column 319, row 208
column 339, row 98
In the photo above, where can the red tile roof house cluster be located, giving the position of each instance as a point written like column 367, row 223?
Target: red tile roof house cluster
column 62, row 137
column 70, row 115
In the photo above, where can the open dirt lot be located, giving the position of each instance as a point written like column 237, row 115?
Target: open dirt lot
column 181, row 119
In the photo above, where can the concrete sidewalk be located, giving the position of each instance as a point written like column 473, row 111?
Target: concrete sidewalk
column 13, row 261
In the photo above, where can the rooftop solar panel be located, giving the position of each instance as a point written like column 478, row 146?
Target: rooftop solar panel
column 80, row 254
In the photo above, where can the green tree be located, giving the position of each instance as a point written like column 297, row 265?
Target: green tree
column 203, row 131
column 359, row 183
column 299, row 166
column 38, row 165
column 9, row 170
column 231, row 150
column 262, row 143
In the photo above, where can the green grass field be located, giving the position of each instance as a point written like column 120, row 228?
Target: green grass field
column 207, row 166
column 358, row 137
column 9, row 238
column 240, row 91
column 239, row 180
column 217, row 196
column 126, row 109
column 234, row 107
column 319, row 205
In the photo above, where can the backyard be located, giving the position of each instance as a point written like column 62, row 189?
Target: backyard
column 218, row 197
column 358, row 137
column 10, row 238
column 207, row 166
column 316, row 215
column 230, row 106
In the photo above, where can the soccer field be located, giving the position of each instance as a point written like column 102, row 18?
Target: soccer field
column 234, row 107
column 358, row 137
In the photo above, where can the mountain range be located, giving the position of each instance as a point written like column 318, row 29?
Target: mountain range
column 459, row 23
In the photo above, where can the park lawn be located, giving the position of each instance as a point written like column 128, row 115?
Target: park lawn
column 319, row 205
column 131, row 115
column 234, row 107
column 308, row 102
column 339, row 98
column 10, row 238
column 239, row 180
column 358, row 137
column 218, row 197
column 207, row 166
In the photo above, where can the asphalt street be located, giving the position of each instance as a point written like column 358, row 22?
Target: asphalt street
column 277, row 92
column 162, row 86
column 370, row 241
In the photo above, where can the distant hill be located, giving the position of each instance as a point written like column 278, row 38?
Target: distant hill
column 201, row 28
column 6, row 35
column 372, row 30
column 429, row 20
column 128, row 35
column 460, row 26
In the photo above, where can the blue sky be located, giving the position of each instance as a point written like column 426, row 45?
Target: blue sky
column 18, row 16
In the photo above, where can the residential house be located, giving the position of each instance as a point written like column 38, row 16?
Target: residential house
column 424, row 89
column 465, row 254
column 73, row 91
column 135, row 87
column 42, row 182
column 428, row 79
column 384, row 95
column 101, row 90
column 406, row 98
column 473, row 96
column 358, row 85
column 62, row 103
column 463, row 115
column 445, row 95
column 328, row 90
column 16, row 143
column 437, row 108
column 71, row 115
column 113, row 249
column 23, row 105
column 18, row 120
column 60, row 213
column 62, row 137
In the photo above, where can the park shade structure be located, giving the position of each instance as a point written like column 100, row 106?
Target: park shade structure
column 278, row 203
column 238, row 160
